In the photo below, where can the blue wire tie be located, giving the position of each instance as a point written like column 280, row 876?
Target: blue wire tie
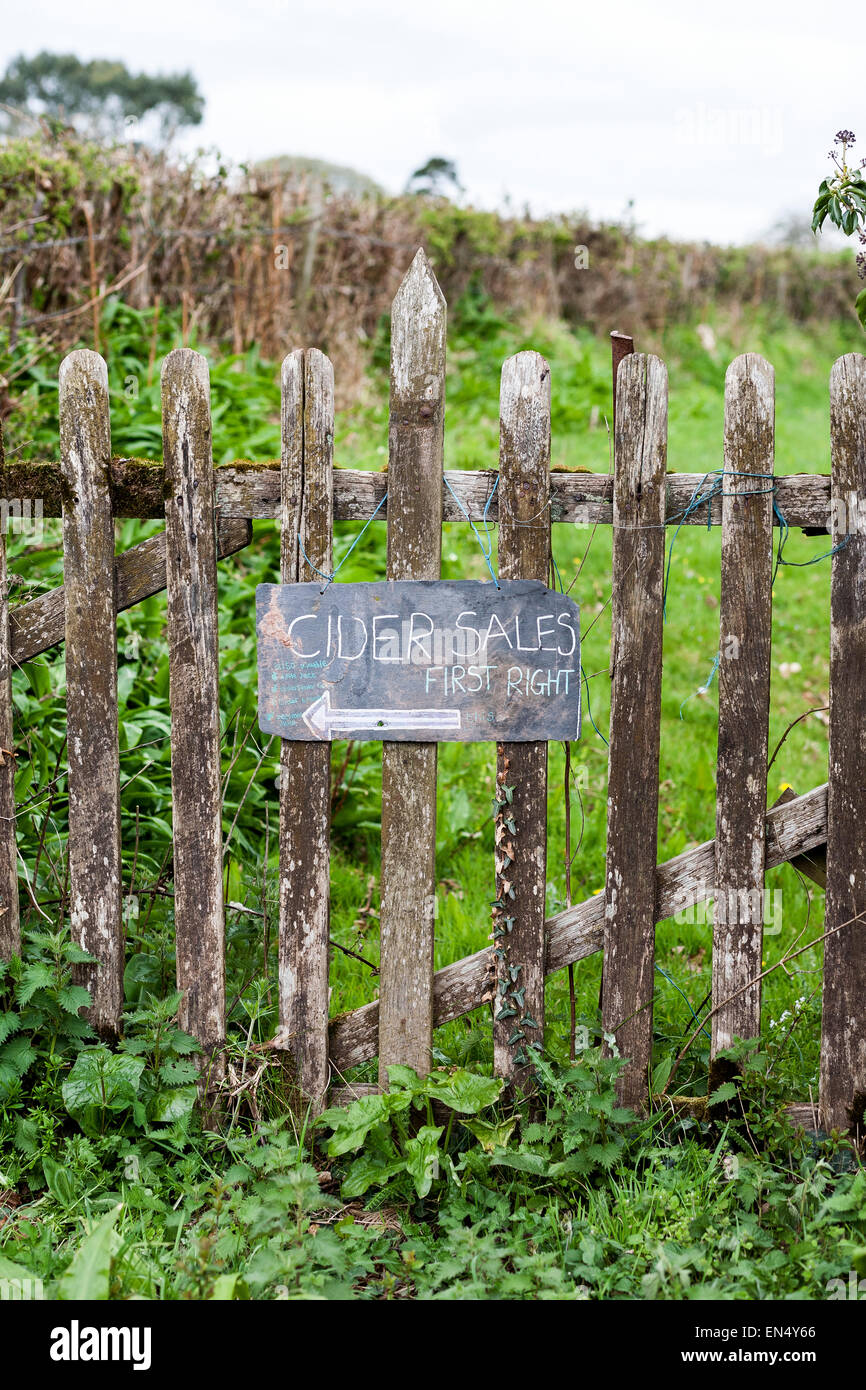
column 589, row 707
column 488, row 551
column 329, row 578
column 702, row 689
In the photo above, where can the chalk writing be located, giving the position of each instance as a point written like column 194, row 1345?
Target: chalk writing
column 421, row 661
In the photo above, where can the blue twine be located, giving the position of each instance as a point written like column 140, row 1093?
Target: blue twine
column 556, row 572
column 695, row 501
column 698, row 499
column 488, row 551
column 583, row 676
column 589, row 707
column 681, row 992
column 329, row 578
column 784, row 530
column 717, row 489
column 702, row 689
column 582, row 672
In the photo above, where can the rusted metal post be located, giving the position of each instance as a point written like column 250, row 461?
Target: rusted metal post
column 620, row 346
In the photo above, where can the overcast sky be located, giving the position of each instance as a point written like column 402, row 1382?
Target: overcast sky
column 714, row 119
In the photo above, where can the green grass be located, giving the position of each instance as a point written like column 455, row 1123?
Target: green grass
column 246, row 424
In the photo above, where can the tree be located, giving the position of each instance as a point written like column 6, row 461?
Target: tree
column 434, row 177
column 99, row 97
column 337, row 178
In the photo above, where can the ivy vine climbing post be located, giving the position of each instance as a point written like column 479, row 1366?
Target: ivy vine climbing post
column 521, row 768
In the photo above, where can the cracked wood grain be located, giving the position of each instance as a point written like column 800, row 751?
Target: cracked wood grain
column 843, row 1028
column 194, row 695
column 745, row 632
column 415, row 457
column 91, row 685
column 305, row 782
column 635, row 716
column 521, row 874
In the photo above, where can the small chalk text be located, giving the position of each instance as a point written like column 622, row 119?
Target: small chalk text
column 424, row 661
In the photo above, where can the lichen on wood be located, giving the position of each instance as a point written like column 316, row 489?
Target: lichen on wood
column 95, row 886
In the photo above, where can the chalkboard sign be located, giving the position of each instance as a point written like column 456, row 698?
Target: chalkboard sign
column 418, row 661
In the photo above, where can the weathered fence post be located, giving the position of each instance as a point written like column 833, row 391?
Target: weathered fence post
column 194, row 692
column 521, row 852
column 91, row 684
column 745, row 631
column 305, row 781
column 10, row 930
column 635, row 715
column 843, row 1029
column 408, row 898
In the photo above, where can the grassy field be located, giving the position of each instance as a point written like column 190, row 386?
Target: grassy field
column 639, row 1223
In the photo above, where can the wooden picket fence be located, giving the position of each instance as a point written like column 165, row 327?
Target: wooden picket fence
column 207, row 515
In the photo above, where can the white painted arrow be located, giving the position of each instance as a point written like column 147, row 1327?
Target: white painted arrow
column 324, row 722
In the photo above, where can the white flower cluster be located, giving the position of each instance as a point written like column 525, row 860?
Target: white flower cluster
column 798, row 1005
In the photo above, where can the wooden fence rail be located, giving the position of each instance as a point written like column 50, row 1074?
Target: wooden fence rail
column 208, row 514
column 252, row 490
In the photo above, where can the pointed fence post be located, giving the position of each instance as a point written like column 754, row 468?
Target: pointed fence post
column 305, row 780
column 415, row 459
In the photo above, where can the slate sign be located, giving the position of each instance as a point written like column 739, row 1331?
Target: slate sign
column 418, row 661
